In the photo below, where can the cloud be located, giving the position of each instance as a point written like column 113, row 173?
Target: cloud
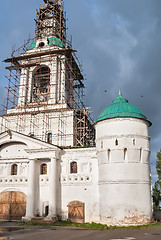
column 118, row 43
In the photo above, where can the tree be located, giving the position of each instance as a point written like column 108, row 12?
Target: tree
column 158, row 167
column 157, row 185
column 156, row 196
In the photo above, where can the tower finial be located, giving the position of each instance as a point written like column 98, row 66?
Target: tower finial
column 120, row 93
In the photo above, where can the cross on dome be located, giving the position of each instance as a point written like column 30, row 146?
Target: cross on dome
column 120, row 93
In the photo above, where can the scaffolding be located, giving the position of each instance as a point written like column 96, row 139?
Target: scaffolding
column 30, row 84
column 51, row 17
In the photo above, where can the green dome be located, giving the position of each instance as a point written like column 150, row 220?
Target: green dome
column 121, row 108
column 53, row 41
column 32, row 45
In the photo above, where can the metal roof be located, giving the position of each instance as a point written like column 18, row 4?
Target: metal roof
column 53, row 41
column 121, row 108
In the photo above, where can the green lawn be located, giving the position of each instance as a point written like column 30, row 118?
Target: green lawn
column 87, row 225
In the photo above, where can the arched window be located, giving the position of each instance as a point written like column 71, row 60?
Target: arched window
column 43, row 169
column 49, row 137
column 41, row 84
column 125, row 153
column 116, row 142
column 14, row 169
column 73, row 167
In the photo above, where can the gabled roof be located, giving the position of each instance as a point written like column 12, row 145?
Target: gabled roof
column 12, row 136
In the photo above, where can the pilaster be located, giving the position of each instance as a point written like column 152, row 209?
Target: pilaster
column 33, row 190
column 53, row 190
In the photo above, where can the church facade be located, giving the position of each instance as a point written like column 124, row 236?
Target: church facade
column 55, row 162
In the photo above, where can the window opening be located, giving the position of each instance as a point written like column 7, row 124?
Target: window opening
column 41, row 84
column 116, row 142
column 125, row 153
column 73, row 167
column 49, row 137
column 134, row 142
column 14, row 169
column 46, row 211
column 41, row 44
column 141, row 153
column 109, row 154
column 43, row 169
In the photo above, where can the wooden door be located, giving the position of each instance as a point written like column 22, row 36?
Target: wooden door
column 12, row 205
column 76, row 212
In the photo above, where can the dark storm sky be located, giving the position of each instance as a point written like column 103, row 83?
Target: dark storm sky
column 119, row 45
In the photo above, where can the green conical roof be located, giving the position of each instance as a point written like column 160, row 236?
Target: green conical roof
column 121, row 108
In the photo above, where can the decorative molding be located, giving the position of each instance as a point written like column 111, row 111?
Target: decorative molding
column 123, row 136
column 13, row 160
column 74, row 178
column 124, row 182
column 40, row 150
column 10, row 180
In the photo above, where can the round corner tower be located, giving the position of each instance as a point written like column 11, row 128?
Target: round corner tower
column 123, row 151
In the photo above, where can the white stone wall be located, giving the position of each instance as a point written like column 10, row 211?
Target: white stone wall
column 20, row 150
column 13, row 153
column 82, row 186
column 56, row 188
column 20, row 181
column 112, row 180
column 124, row 171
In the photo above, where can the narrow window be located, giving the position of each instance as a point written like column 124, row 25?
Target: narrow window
column 73, row 167
column 141, row 153
column 101, row 144
column 43, row 169
column 49, row 137
column 125, row 153
column 134, row 142
column 116, row 142
column 109, row 154
column 14, row 169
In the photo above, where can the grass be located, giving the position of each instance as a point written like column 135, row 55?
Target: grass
column 86, row 225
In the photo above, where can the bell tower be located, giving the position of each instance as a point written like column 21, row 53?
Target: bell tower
column 47, row 80
column 46, row 84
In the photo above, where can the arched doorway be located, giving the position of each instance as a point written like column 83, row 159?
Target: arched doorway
column 76, row 212
column 12, row 205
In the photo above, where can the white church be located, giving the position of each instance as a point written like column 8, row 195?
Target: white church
column 55, row 162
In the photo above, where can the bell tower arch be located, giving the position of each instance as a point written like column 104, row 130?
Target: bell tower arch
column 40, row 84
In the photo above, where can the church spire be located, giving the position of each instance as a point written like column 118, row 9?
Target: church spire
column 51, row 20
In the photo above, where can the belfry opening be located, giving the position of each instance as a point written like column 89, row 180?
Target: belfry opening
column 41, row 84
